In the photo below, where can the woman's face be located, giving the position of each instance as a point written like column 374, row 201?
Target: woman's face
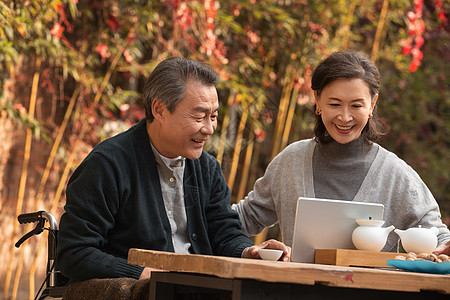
column 345, row 106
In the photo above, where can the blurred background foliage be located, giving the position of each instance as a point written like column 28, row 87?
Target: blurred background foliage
column 72, row 72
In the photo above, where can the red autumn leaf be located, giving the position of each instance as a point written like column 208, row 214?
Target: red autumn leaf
column 57, row 31
column 406, row 50
column 411, row 16
column 113, row 23
column 413, row 66
column 419, row 41
column 103, row 50
column 260, row 135
column 442, row 17
column 417, row 55
column 128, row 56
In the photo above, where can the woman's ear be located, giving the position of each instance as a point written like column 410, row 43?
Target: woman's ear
column 316, row 96
column 316, row 99
column 375, row 99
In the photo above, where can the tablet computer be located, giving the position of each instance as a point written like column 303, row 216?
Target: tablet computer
column 328, row 224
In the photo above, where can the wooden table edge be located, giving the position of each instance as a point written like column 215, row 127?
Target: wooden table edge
column 297, row 273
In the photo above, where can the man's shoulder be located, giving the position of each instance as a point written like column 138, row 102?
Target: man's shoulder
column 124, row 141
column 126, row 149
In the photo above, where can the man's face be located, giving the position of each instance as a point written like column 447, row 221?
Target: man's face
column 185, row 131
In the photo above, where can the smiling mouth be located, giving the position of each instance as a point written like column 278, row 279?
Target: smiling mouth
column 344, row 128
column 198, row 141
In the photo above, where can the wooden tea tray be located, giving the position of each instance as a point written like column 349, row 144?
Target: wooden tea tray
column 355, row 258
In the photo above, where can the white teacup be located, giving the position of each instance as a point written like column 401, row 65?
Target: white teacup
column 270, row 254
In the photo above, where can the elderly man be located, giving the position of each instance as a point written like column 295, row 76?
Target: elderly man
column 153, row 186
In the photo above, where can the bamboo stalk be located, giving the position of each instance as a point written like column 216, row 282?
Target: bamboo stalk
column 39, row 248
column 237, row 147
column 255, row 161
column 289, row 118
column 55, row 146
column 17, row 276
column 381, row 21
column 245, row 172
column 282, row 110
column 64, row 177
column 23, row 176
column 346, row 26
column 223, row 134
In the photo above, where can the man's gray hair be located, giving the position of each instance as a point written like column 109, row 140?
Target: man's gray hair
column 169, row 79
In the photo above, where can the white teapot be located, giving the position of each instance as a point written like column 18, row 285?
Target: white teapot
column 418, row 239
column 369, row 235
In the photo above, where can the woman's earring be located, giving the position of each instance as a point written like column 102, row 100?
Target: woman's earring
column 370, row 115
column 318, row 112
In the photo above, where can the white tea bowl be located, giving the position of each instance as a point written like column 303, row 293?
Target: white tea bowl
column 270, row 254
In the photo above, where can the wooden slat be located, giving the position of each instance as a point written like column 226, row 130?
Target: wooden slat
column 356, row 258
column 301, row 273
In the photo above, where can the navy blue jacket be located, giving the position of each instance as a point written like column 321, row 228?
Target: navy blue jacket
column 114, row 203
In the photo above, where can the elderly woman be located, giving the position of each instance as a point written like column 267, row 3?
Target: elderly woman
column 342, row 161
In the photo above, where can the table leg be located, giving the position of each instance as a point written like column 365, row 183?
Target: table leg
column 163, row 285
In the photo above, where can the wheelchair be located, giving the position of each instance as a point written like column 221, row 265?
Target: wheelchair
column 54, row 281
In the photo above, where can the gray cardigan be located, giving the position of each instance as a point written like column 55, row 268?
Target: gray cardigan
column 390, row 181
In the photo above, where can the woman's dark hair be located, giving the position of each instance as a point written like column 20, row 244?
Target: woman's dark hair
column 351, row 65
column 168, row 81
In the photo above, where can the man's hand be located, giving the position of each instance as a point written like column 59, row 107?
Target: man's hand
column 252, row 252
column 147, row 272
column 443, row 249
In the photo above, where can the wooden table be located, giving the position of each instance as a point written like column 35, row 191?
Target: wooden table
column 258, row 279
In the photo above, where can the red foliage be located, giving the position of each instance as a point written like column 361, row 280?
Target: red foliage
column 415, row 41
column 267, row 117
column 127, row 56
column 132, row 37
column 103, row 50
column 260, row 135
column 57, row 31
column 113, row 23
column 441, row 14
column 213, row 46
column 63, row 17
column 46, row 80
column 184, row 16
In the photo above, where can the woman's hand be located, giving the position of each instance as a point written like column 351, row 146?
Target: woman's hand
column 252, row 252
column 443, row 249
